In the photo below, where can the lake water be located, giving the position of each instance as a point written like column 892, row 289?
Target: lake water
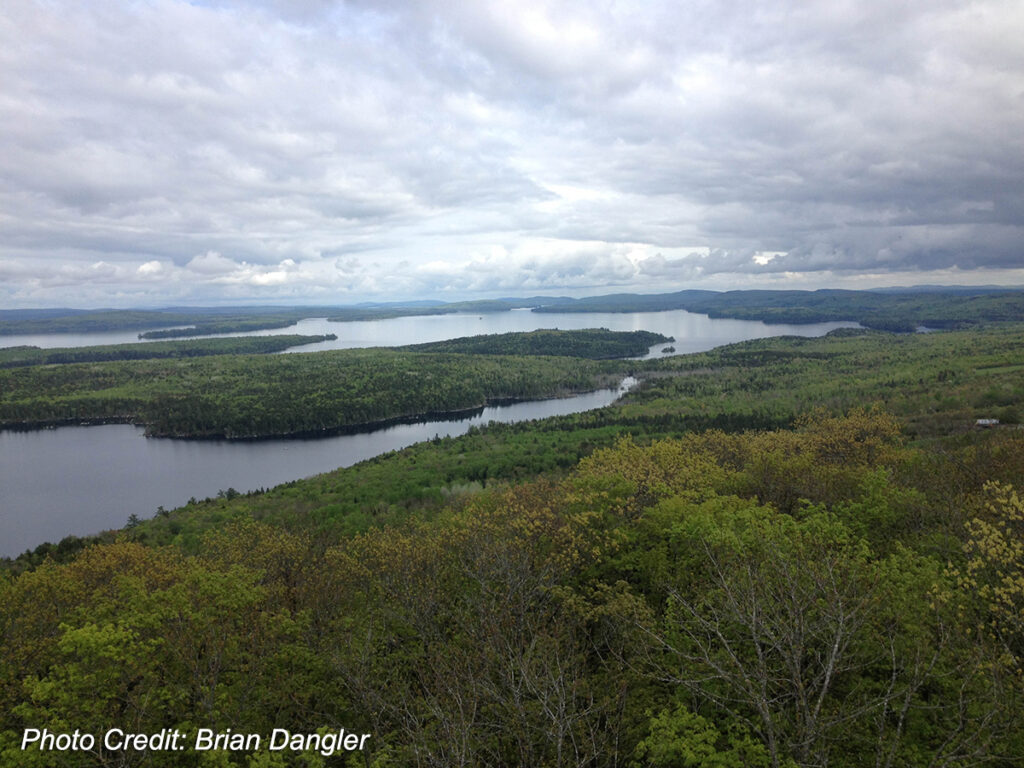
column 692, row 332
column 81, row 480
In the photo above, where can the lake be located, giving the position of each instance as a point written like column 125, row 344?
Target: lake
column 80, row 480
column 692, row 332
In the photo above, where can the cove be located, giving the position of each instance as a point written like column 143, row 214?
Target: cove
column 692, row 332
column 82, row 480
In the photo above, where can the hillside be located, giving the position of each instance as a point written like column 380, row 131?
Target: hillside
column 786, row 552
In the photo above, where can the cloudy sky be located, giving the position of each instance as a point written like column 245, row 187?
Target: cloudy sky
column 158, row 151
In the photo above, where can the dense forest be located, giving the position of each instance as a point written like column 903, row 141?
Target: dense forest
column 206, row 320
column 785, row 552
column 229, row 325
column 252, row 396
column 937, row 385
column 13, row 357
column 591, row 343
column 14, row 321
column 900, row 311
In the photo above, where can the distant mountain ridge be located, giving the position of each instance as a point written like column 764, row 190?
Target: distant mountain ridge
column 892, row 309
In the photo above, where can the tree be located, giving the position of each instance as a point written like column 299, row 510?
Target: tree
column 994, row 572
column 794, row 629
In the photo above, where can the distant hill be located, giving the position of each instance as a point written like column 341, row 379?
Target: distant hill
column 891, row 309
column 883, row 310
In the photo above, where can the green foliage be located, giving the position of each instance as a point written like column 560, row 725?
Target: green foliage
column 246, row 396
column 147, row 641
column 679, row 738
column 993, row 575
column 198, row 321
column 647, row 608
column 886, row 311
column 83, row 321
column 883, row 511
column 591, row 343
column 755, row 385
column 889, row 311
column 11, row 357
column 222, row 325
column 744, row 563
column 929, row 382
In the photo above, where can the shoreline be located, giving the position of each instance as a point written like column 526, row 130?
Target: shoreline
column 367, row 427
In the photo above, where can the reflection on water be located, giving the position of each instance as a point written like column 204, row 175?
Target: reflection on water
column 80, row 480
column 692, row 333
column 83, row 479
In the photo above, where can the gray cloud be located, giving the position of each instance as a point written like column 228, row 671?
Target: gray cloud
column 338, row 150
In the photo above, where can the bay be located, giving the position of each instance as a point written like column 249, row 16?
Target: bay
column 82, row 480
column 692, row 332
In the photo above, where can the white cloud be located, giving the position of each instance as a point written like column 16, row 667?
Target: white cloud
column 211, row 263
column 151, row 269
column 308, row 149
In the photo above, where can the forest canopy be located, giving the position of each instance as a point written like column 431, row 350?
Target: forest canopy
column 785, row 552
column 253, row 396
column 791, row 597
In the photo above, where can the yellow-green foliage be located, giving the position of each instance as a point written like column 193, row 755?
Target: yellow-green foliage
column 717, row 600
column 994, row 571
column 650, row 472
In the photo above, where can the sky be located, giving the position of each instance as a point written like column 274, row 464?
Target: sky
column 160, row 152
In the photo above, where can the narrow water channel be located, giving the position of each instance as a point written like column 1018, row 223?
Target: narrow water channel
column 81, row 480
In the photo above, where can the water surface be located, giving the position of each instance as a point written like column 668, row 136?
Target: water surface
column 81, row 480
column 692, row 332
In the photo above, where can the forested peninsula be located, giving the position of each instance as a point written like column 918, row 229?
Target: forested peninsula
column 590, row 343
column 785, row 552
column 935, row 385
column 190, row 321
column 257, row 396
column 14, row 357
